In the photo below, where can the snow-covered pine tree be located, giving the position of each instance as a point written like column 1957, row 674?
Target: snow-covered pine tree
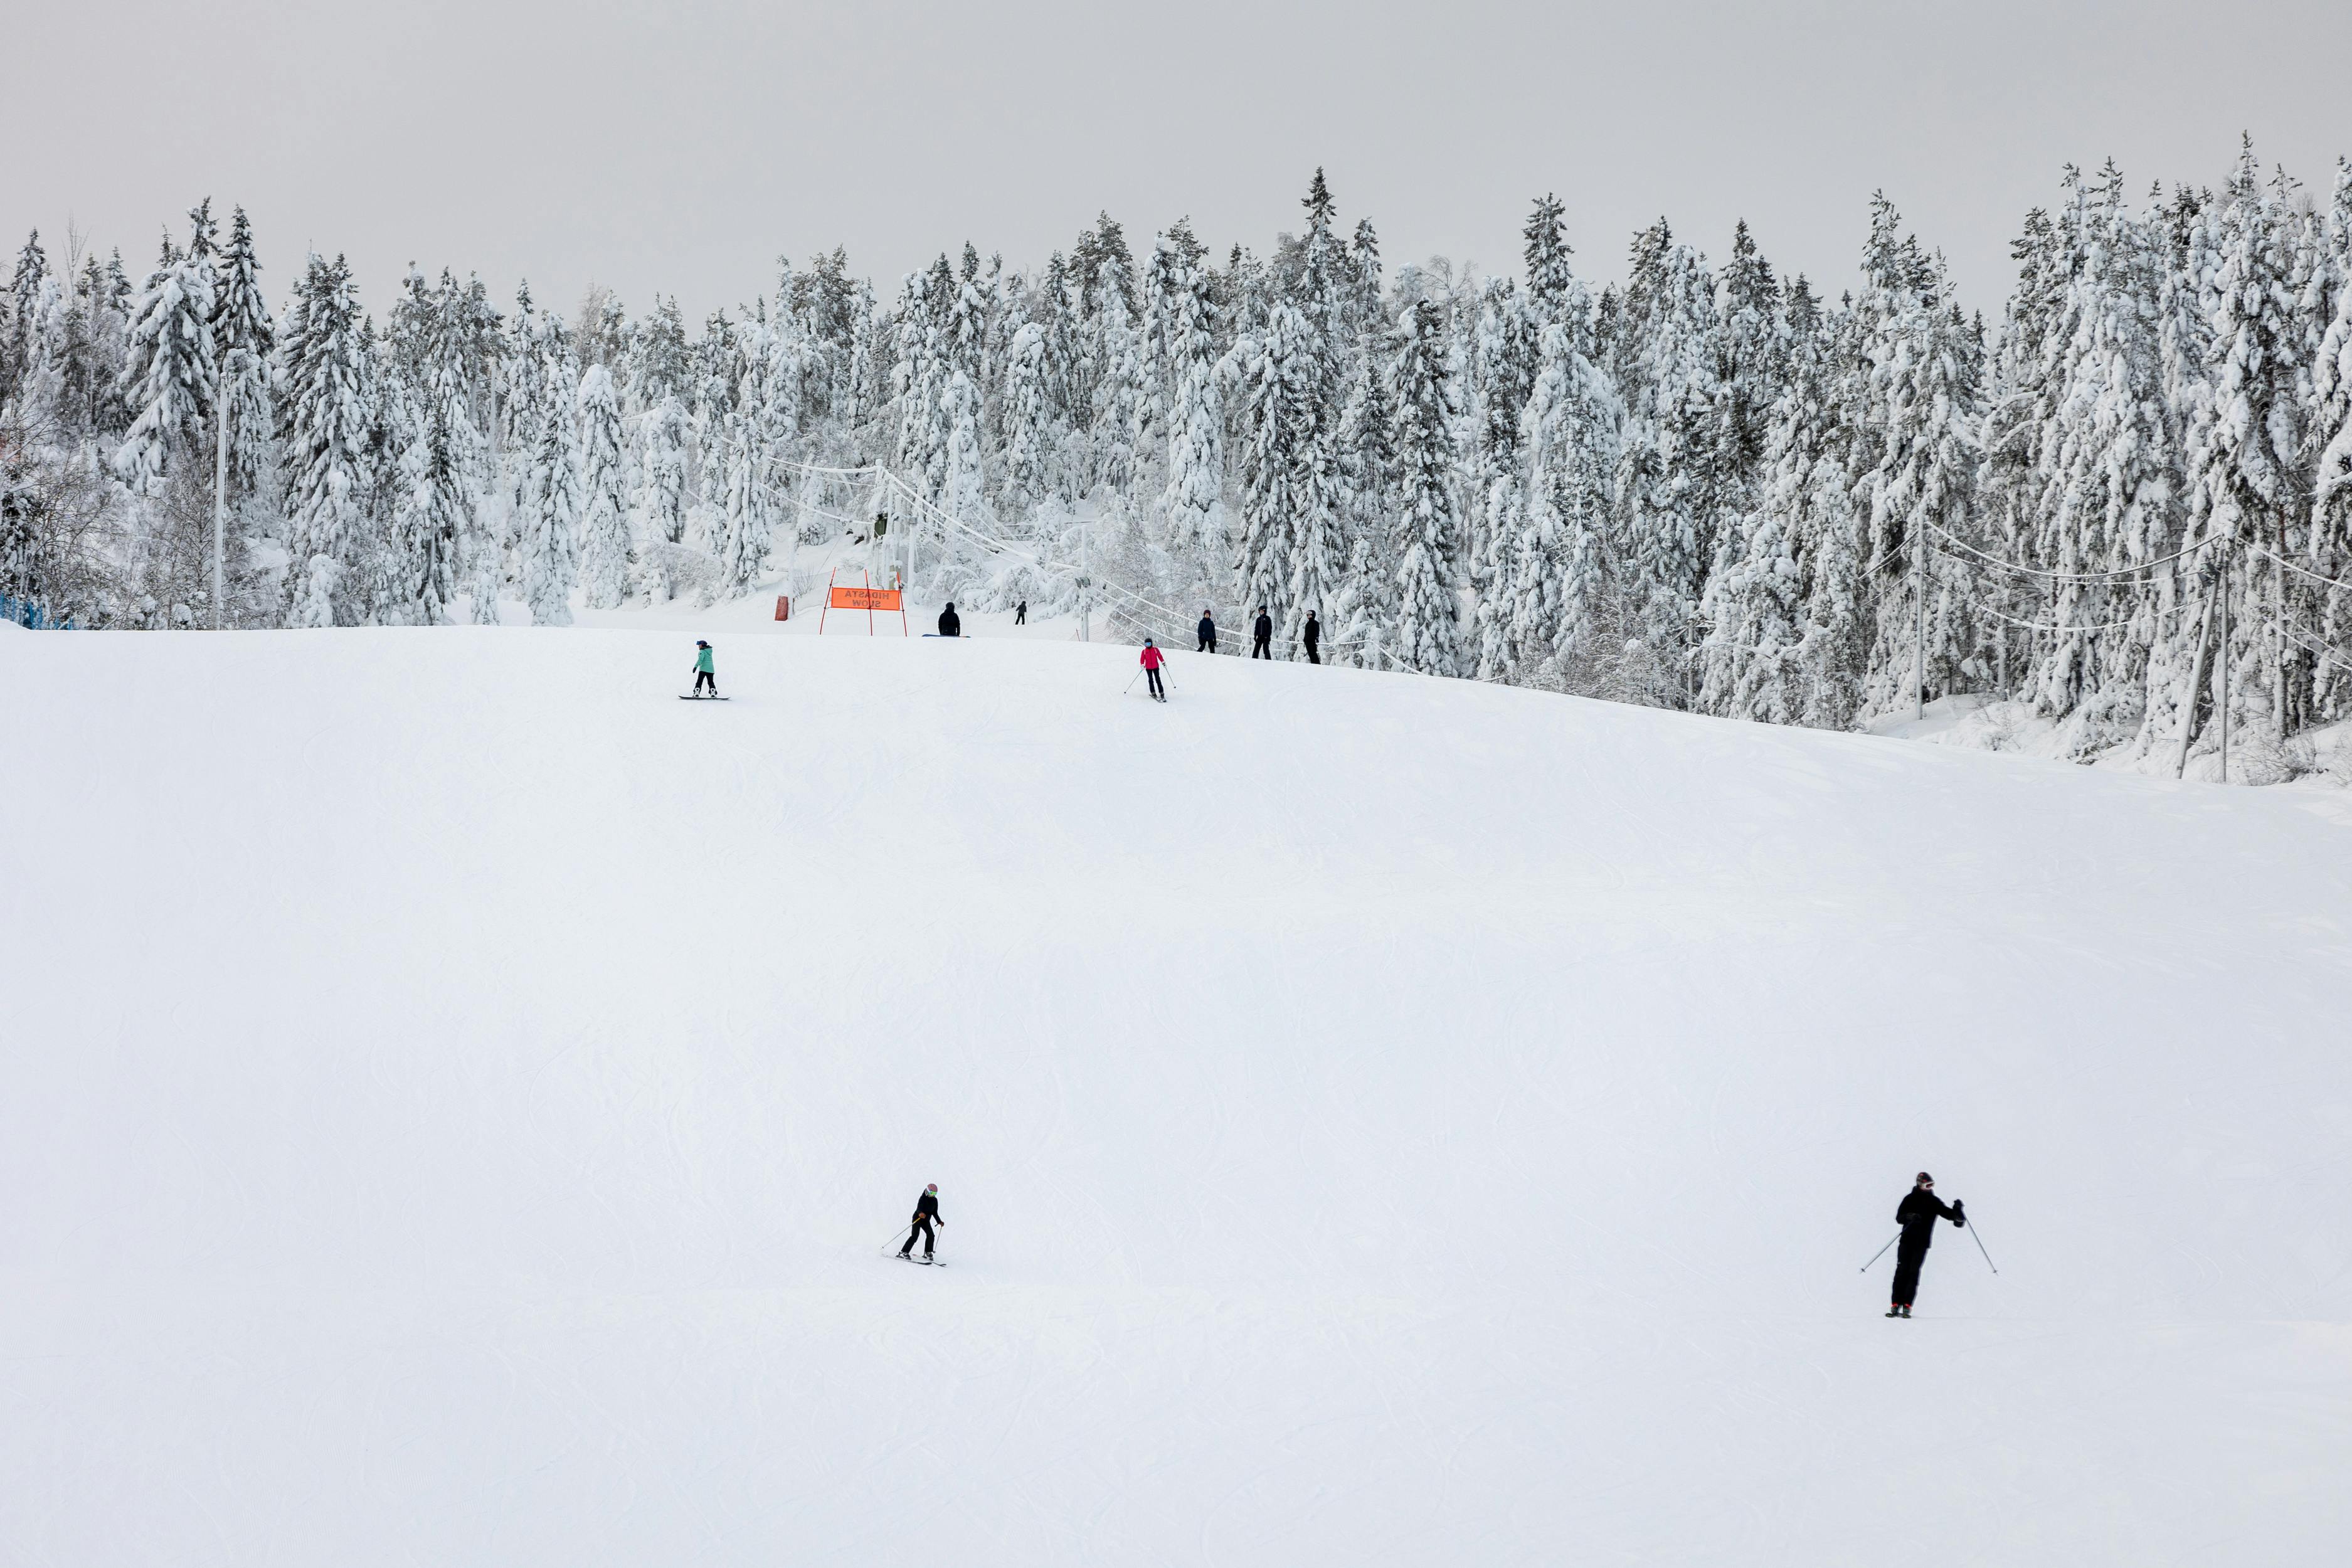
column 1751, row 363
column 326, row 415
column 919, row 381
column 1194, row 500
column 1921, row 426
column 1032, row 441
column 39, row 398
column 245, row 337
column 747, row 521
column 605, row 522
column 1363, row 621
column 24, row 289
column 1428, row 639
column 549, row 521
column 1504, row 371
column 1365, row 313
column 661, row 499
column 2109, row 471
column 1766, row 657
column 869, row 365
column 2244, row 484
column 436, row 512
column 173, row 372
column 1273, row 378
column 1115, row 357
column 1668, row 491
column 962, row 494
column 1558, row 576
column 2330, row 551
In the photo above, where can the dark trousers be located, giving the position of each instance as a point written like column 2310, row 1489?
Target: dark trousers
column 1021, row 616
column 1907, row 1272
column 923, row 1229
column 1311, row 656
column 1208, row 643
column 1153, row 676
column 702, row 675
column 1262, row 648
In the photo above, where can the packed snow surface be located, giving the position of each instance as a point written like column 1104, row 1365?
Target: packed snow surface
column 458, row 1099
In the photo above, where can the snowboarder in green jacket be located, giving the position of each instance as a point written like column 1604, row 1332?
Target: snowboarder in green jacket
column 704, row 671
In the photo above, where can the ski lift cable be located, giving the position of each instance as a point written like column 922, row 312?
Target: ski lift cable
column 2063, row 576
column 2291, row 566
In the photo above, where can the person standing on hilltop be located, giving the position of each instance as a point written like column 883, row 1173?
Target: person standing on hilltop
column 1262, row 636
column 1207, row 632
column 1917, row 1214
column 1312, row 635
column 950, row 623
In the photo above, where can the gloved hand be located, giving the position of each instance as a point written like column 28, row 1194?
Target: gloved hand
column 1960, row 1213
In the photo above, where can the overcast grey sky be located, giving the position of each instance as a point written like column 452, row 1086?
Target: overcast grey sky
column 680, row 147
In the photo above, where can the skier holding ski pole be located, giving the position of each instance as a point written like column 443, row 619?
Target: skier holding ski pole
column 1152, row 659
column 1917, row 1214
column 927, row 1212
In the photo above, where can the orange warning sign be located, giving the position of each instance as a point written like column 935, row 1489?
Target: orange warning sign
column 864, row 599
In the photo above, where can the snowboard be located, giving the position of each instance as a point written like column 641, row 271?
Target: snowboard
column 684, row 698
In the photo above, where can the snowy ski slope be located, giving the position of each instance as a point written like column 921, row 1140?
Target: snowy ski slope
column 457, row 1097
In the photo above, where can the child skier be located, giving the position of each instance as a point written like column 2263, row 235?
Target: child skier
column 927, row 1211
column 704, row 671
column 1917, row 1214
column 1152, row 659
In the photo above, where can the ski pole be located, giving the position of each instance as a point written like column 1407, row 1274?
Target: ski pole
column 1880, row 1253
column 1981, row 1248
column 1130, row 683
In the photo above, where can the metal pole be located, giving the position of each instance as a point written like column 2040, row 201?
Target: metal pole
column 220, row 487
column 1880, row 1253
column 1980, row 1247
column 2224, row 698
column 1920, row 633
column 1085, row 583
column 2196, row 681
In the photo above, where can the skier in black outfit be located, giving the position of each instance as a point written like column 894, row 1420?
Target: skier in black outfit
column 1020, row 614
column 1313, row 637
column 927, row 1210
column 950, row 623
column 1917, row 1214
column 1262, row 636
column 1207, row 630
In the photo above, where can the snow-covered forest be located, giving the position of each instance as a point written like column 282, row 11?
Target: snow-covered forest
column 1707, row 487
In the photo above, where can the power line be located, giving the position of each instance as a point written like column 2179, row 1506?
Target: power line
column 2063, row 576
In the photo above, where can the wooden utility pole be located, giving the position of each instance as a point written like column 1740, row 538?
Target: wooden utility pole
column 220, row 487
column 2196, row 681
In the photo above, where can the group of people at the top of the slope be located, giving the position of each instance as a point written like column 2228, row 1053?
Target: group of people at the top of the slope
column 1310, row 636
